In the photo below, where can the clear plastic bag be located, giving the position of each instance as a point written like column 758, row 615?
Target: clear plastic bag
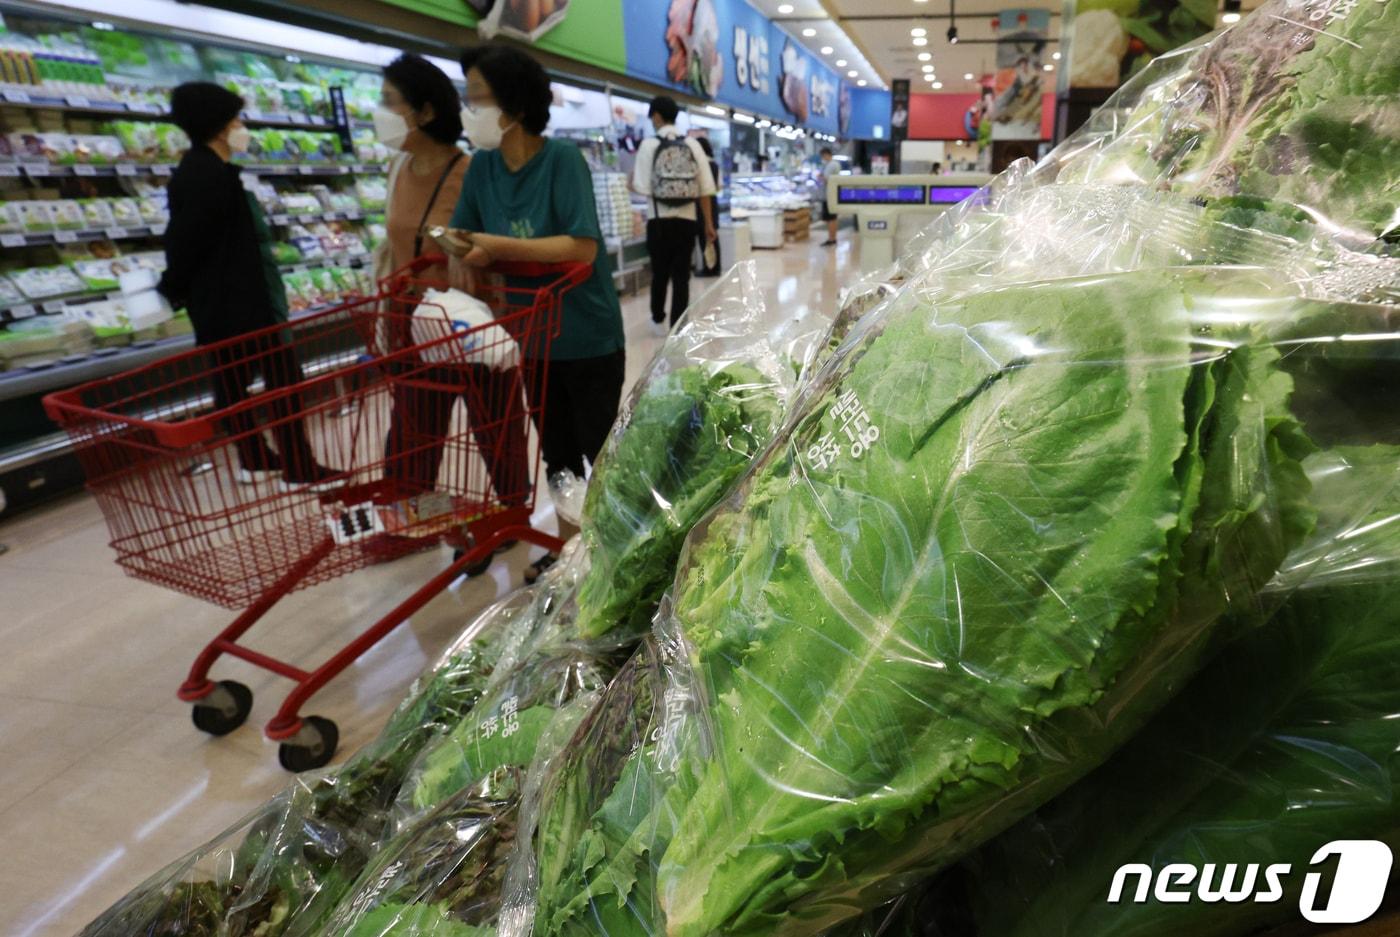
column 1291, row 115
column 289, row 862
column 1002, row 532
column 708, row 403
column 1284, row 743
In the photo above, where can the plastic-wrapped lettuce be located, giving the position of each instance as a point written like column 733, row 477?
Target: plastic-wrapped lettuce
column 1291, row 114
column 290, row 861
column 1288, row 741
column 708, row 403
column 999, row 535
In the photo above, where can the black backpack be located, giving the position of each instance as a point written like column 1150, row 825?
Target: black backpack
column 675, row 173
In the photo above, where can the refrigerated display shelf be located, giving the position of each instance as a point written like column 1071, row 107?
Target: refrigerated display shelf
column 41, row 169
column 81, row 236
column 86, row 105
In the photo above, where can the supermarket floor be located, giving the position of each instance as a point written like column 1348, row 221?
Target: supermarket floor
column 102, row 778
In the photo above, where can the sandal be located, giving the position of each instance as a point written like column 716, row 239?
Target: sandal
column 537, row 569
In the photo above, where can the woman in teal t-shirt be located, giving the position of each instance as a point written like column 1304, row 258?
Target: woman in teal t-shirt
column 528, row 198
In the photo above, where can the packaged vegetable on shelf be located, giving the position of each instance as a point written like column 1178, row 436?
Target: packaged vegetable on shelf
column 284, row 868
column 1285, row 743
column 924, row 614
column 708, row 403
column 1274, row 119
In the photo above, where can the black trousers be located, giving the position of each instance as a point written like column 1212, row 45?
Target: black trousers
column 671, row 244
column 580, row 400
column 422, row 419
column 235, row 367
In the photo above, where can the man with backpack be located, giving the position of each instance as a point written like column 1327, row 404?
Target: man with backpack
column 673, row 171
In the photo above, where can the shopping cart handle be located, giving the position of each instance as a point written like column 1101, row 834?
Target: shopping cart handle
column 574, row 273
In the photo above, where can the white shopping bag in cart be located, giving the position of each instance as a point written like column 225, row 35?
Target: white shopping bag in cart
column 443, row 311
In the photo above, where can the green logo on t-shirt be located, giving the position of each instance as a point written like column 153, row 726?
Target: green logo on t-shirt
column 522, row 228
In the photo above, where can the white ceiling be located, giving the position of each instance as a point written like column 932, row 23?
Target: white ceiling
column 874, row 37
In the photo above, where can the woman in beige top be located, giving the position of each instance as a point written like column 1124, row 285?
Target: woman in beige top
column 419, row 115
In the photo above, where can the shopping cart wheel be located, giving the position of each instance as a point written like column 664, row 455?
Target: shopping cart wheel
column 312, row 747
column 477, row 570
column 223, row 710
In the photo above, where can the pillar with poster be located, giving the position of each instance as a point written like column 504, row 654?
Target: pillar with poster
column 1012, row 95
column 899, row 119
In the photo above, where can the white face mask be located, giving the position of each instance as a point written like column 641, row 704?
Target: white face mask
column 391, row 128
column 239, row 139
column 483, row 126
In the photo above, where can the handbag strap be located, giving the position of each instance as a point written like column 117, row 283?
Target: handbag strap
column 432, row 200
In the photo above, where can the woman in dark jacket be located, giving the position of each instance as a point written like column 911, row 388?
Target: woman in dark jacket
column 220, row 268
column 710, row 269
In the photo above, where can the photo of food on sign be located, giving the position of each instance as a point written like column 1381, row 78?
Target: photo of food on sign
column 692, row 38
column 793, row 82
column 523, row 19
column 844, row 109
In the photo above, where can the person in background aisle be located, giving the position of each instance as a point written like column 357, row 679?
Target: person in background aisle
column 675, row 173
column 528, row 198
column 938, row 169
column 710, row 265
column 419, row 116
column 221, row 269
column 830, row 167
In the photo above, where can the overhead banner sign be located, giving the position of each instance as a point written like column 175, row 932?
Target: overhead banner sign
column 727, row 51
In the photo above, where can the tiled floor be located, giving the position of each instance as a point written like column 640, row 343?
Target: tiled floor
column 102, row 778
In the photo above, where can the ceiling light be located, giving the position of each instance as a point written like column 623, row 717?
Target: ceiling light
column 918, row 31
column 716, row 110
column 785, row 8
column 928, row 68
column 1230, row 18
column 1049, row 67
column 930, row 77
column 744, row 118
column 953, row 34
column 925, row 56
column 920, row 41
column 852, row 73
column 827, row 50
column 1055, row 56
column 937, row 85
column 763, row 123
column 103, row 25
column 968, row 77
column 1232, row 12
column 861, row 84
column 840, row 63
column 809, row 32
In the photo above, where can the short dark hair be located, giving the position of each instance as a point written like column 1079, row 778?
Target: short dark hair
column 706, row 146
column 201, row 109
column 666, row 107
column 826, row 151
column 518, row 81
column 421, row 82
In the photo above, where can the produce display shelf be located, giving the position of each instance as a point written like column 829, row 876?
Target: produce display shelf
column 332, row 260
column 286, row 219
column 36, row 169
column 101, row 362
column 82, row 235
column 52, row 305
column 83, row 104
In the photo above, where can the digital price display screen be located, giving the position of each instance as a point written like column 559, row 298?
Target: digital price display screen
column 950, row 194
column 881, row 195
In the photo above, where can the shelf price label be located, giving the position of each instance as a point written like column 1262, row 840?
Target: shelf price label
column 18, row 97
column 12, row 240
column 9, row 169
column 126, row 169
column 23, row 311
column 158, row 229
column 144, row 108
column 300, row 119
column 55, row 306
column 161, row 169
column 83, row 169
column 281, row 219
column 115, row 233
column 307, row 170
column 77, row 100
column 65, row 237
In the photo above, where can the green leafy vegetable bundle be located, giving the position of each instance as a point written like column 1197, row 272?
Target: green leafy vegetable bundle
column 1286, row 742
column 708, row 404
column 992, row 546
column 1298, row 105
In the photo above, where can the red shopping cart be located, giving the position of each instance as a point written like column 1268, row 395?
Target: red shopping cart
column 374, row 459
